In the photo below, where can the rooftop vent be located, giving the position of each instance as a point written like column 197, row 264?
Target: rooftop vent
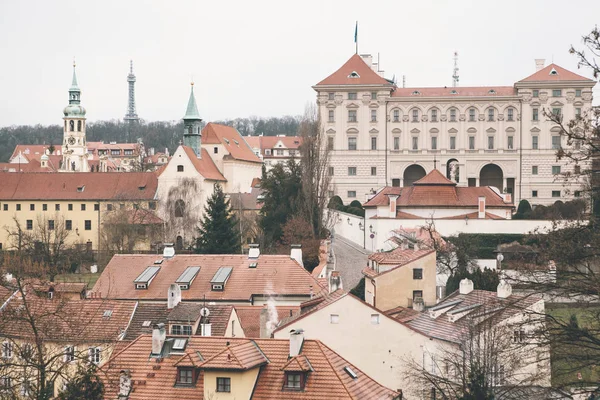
column 453, row 92
column 107, row 313
column 144, row 279
column 354, row 74
column 221, row 276
column 187, row 277
column 350, row 372
column 254, row 251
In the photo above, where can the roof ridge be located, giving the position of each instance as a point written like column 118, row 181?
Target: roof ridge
column 319, row 344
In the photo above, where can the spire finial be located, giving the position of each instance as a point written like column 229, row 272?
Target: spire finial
column 74, row 85
column 131, row 66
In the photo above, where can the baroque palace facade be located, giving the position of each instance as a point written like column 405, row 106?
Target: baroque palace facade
column 384, row 135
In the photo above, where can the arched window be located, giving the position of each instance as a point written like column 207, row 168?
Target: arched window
column 190, row 130
column 434, row 115
column 510, row 114
column 179, row 243
column 71, row 125
column 78, row 126
column 179, row 208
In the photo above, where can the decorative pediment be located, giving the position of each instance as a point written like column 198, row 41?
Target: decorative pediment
column 373, row 105
column 556, row 104
column 373, row 131
column 490, row 130
column 535, row 129
column 472, row 130
column 352, row 105
column 556, row 129
column 352, row 130
column 510, row 130
column 396, row 130
column 331, row 105
column 434, row 130
column 415, row 130
column 578, row 103
column 330, row 131
column 535, row 103
column 453, row 130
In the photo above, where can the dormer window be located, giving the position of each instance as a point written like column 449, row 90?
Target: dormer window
column 553, row 72
column 226, row 140
column 354, row 74
column 185, row 376
column 491, row 91
column 80, row 189
column 294, row 381
column 453, row 92
column 185, row 330
column 415, row 93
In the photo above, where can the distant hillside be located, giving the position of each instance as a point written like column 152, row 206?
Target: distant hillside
column 159, row 134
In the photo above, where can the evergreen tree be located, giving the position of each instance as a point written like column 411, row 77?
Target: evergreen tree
column 219, row 233
column 85, row 386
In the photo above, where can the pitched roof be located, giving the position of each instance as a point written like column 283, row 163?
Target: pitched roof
column 328, row 380
column 479, row 301
column 243, row 356
column 231, row 139
column 366, row 76
column 79, row 186
column 68, row 320
column 310, row 306
column 204, row 165
column 381, row 198
column 402, row 314
column 269, row 142
column 546, row 75
column 460, row 91
column 219, row 315
column 299, row 363
column 145, row 317
column 246, row 201
column 399, row 256
column 434, row 178
column 274, row 274
column 249, row 317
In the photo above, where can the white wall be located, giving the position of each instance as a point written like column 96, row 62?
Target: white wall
column 349, row 231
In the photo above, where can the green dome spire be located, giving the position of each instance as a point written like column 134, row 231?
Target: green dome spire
column 74, row 86
column 192, row 108
column 74, row 109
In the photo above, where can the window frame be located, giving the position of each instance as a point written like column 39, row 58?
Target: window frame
column 534, row 170
column 373, row 171
column 331, row 116
column 352, row 143
column 491, row 114
column 556, row 92
column 351, row 194
column 472, row 115
column 417, row 273
column 88, row 224
column 373, row 115
column 396, row 142
column 535, row 114
column 452, row 143
column 452, row 117
column 185, row 376
column 223, row 384
column 510, row 114
column 298, row 381
column 352, row 171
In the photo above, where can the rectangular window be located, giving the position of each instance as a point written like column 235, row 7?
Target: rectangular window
column 453, row 115
column 373, row 143
column 57, row 207
column 185, row 376
column 556, row 193
column 224, row 385
column 417, row 293
column 351, row 115
column 490, row 114
column 334, row 318
column 396, row 143
column 7, row 350
column 556, row 93
column 331, row 115
column 331, row 96
column 352, row 96
column 29, row 224
column 115, row 152
column 452, row 142
column 536, row 93
column 534, row 142
column 396, row 115
column 556, row 112
column 152, row 205
column 534, row 170
column 180, row 168
column 95, row 355
column 44, row 207
column 352, row 194
column 32, row 207
column 415, row 115
column 70, row 207
column 490, row 143
column 293, row 380
column 373, row 171
column 536, row 115
column 351, row 171
column 69, row 225
column 373, row 115
column 555, row 169
column 418, row 273
column 509, row 142
column 577, row 169
column 109, row 207
column 375, row 319
column 352, row 143
column 471, row 142
column 279, row 152
column 18, row 207
column 415, row 143
column 330, row 143
column 577, row 92
column 128, row 152
column 330, row 171
column 555, row 142
column 396, row 182
column 5, row 207
column 578, row 112
column 510, row 115
column 434, row 143
column 433, row 115
column 373, row 95
column 534, row 193
column 83, row 207
column 88, row 225
column 50, row 224
column 175, row 329
column 518, row 336
column 471, row 114
column 577, row 193
column 96, row 207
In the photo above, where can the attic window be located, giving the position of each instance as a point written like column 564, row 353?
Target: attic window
column 350, row 372
column 226, row 140
column 220, row 278
column 146, row 324
column 492, row 91
column 142, row 187
column 416, row 93
column 453, row 92
column 354, row 74
column 144, row 279
column 253, row 265
column 187, row 277
column 294, row 380
column 553, row 72
column 80, row 188
column 107, row 313
column 179, row 344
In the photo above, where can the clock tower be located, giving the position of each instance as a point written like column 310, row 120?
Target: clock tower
column 74, row 145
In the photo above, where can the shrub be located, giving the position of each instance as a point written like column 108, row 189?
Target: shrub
column 356, row 203
column 335, row 202
column 359, row 289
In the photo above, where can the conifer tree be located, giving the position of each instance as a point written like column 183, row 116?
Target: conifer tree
column 219, row 233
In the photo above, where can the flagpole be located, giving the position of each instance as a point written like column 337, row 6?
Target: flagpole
column 356, row 37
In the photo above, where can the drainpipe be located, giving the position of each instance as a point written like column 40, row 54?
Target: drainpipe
column 520, row 149
column 386, row 142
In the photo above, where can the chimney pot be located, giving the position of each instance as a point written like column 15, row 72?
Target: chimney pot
column 335, row 281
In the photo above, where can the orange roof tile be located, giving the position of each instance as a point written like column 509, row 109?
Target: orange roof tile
column 381, row 198
column 231, row 139
column 402, row 314
column 460, row 91
column 79, row 186
column 241, row 356
column 274, row 274
column 435, row 177
column 205, row 165
column 545, row 75
column 399, row 256
column 355, row 64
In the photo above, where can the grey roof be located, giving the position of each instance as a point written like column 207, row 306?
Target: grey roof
column 188, row 275
column 147, row 275
column 155, row 313
column 447, row 304
column 219, row 316
column 221, row 275
column 192, row 109
column 185, row 312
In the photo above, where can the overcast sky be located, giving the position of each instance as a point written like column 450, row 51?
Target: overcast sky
column 262, row 57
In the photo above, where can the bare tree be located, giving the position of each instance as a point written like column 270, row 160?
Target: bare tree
column 182, row 210
column 127, row 228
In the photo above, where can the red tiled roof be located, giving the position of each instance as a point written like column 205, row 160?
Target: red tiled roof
column 249, row 317
column 205, row 165
column 155, row 313
column 231, row 139
column 297, row 364
column 328, row 380
column 434, row 178
column 402, row 314
column 239, row 357
column 381, row 198
column 355, row 64
column 399, row 256
column 461, row 91
column 79, row 186
column 275, row 274
column 473, row 215
column 544, row 75
column 269, row 142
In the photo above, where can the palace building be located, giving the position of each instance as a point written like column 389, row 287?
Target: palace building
column 384, row 135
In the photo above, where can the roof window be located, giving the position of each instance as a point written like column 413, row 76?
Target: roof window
column 179, row 344
column 236, row 142
column 453, row 91
column 226, row 140
column 415, row 93
column 187, row 277
column 107, row 313
column 354, row 74
column 144, row 279
column 350, row 372
column 220, row 278
column 142, row 187
column 159, row 261
column 253, row 265
column 80, row 188
column 146, row 324
column 491, row 91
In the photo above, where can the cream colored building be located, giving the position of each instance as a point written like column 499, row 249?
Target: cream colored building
column 384, row 135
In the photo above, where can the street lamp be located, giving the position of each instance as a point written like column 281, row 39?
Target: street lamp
column 499, row 257
column 361, row 226
column 348, row 220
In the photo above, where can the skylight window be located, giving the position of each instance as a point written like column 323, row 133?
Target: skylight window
column 146, row 324
column 226, row 140
column 350, row 372
column 179, row 344
column 354, row 74
column 492, row 91
column 236, row 142
column 107, row 313
column 416, row 93
column 187, row 277
column 80, row 188
column 453, row 92
column 253, row 265
column 144, row 279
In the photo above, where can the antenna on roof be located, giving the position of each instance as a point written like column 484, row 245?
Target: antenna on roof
column 434, row 161
column 455, row 74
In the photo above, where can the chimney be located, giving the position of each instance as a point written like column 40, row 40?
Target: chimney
column 368, row 59
column 504, row 289
column 205, row 328
column 124, row 384
column 296, row 341
column 174, row 296
column 254, row 251
column 169, row 250
column 539, row 64
column 418, row 304
column 335, row 281
column 264, row 317
column 466, row 286
column 393, row 201
column 159, row 334
column 481, row 207
column 296, row 253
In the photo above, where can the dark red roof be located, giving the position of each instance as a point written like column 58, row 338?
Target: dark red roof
column 545, row 75
column 435, row 177
column 355, row 64
column 460, row 91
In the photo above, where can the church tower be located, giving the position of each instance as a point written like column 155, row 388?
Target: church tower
column 74, row 146
column 192, row 135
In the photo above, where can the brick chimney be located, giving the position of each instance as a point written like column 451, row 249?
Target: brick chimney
column 159, row 334
column 481, row 207
column 296, row 341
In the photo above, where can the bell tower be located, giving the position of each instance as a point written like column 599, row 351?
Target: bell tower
column 192, row 135
column 74, row 145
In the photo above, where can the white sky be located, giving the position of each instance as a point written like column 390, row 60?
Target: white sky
column 262, row 57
